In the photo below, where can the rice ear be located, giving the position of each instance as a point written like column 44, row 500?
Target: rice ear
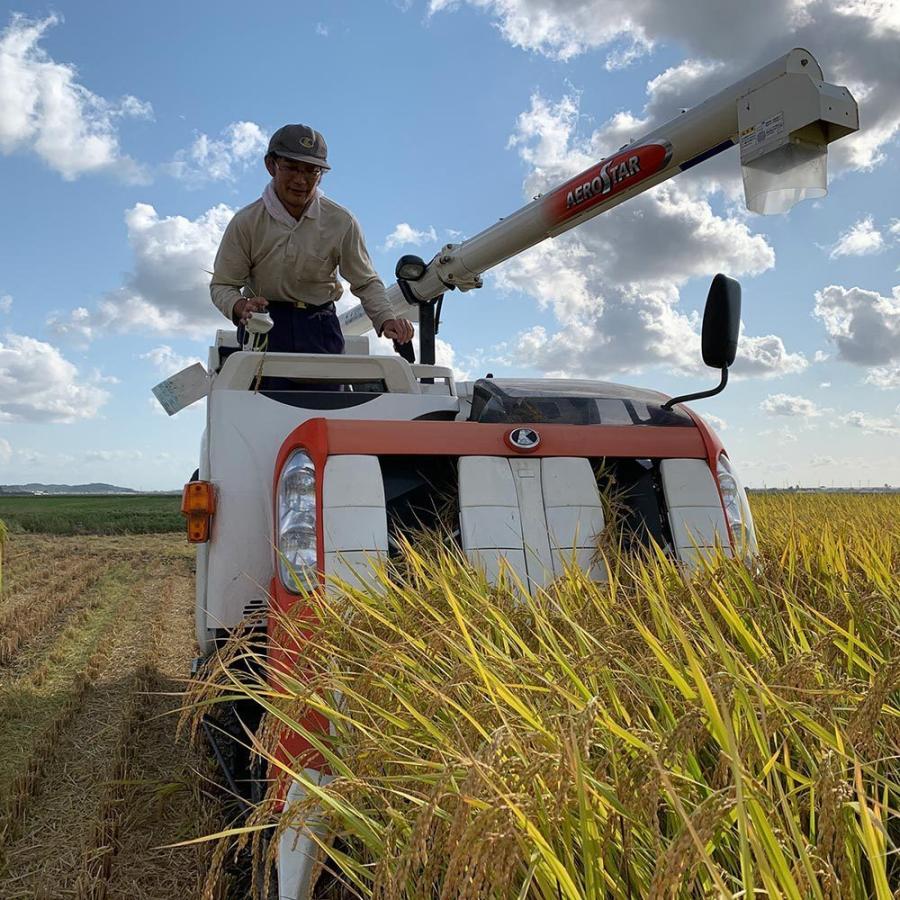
column 650, row 735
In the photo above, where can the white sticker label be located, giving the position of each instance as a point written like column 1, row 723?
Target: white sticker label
column 182, row 389
column 755, row 138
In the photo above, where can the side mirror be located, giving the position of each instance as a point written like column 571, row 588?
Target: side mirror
column 719, row 340
column 721, row 322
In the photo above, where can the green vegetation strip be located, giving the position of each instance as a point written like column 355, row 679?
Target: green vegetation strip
column 140, row 514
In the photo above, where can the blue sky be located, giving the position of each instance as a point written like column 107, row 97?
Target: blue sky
column 130, row 133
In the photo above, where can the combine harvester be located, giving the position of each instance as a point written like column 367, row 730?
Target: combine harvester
column 296, row 485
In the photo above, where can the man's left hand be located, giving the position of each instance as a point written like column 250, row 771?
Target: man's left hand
column 400, row 330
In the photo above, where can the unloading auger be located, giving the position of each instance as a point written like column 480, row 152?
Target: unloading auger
column 782, row 117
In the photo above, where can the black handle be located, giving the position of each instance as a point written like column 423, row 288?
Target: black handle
column 406, row 351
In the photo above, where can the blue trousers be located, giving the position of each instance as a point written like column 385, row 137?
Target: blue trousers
column 302, row 331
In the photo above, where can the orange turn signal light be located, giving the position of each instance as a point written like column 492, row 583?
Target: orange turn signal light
column 198, row 505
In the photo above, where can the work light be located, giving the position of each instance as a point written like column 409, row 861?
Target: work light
column 297, row 523
column 737, row 508
column 410, row 268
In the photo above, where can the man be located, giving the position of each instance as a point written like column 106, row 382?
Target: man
column 285, row 250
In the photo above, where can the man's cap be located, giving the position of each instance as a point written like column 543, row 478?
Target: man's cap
column 302, row 143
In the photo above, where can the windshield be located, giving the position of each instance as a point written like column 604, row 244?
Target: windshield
column 570, row 403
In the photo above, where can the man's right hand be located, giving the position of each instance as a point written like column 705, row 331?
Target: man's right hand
column 245, row 307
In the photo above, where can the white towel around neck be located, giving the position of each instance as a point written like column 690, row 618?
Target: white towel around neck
column 276, row 209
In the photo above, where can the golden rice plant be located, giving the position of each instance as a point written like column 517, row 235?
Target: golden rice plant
column 731, row 734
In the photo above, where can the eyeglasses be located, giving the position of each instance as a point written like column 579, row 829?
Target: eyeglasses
column 292, row 169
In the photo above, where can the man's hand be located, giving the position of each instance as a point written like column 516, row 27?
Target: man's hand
column 245, row 307
column 400, row 330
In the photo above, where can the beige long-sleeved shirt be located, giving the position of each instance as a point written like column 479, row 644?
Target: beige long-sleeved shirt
column 281, row 262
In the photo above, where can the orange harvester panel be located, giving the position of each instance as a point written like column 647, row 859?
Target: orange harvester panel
column 322, row 438
column 329, row 437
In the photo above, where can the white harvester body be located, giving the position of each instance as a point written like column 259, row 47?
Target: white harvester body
column 244, row 432
column 315, row 466
column 532, row 514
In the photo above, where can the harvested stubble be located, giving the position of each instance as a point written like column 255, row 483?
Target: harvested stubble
column 3, row 536
column 91, row 778
column 733, row 734
column 41, row 603
column 21, row 561
column 102, row 841
column 77, row 669
column 160, row 801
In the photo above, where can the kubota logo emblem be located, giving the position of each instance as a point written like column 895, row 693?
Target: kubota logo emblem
column 523, row 439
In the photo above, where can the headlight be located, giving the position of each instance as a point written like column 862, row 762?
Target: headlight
column 297, row 523
column 737, row 508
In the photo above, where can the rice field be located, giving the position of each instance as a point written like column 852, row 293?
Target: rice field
column 96, row 637
column 646, row 737
column 87, row 514
column 732, row 735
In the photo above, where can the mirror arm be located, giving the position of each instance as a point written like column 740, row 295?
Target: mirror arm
column 699, row 396
column 429, row 319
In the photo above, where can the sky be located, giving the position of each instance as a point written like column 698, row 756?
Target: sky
column 131, row 132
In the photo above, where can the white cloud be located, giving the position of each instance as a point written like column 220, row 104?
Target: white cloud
column 818, row 462
column 861, row 239
column 445, row 355
column 716, row 421
column 856, row 43
column 767, row 357
column 615, row 299
column 404, row 235
column 5, row 451
column 783, row 435
column 883, row 14
column 6, row 302
column 77, row 326
column 37, row 384
column 321, row 29
column 168, row 291
column 872, row 424
column 884, row 377
column 239, row 145
column 864, row 325
column 167, row 361
column 444, row 352
column 44, row 109
column 113, row 456
column 561, row 30
column 132, row 107
column 790, row 405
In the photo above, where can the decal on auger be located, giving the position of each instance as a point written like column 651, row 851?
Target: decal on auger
column 609, row 177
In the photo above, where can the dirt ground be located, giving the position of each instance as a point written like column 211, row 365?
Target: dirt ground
column 96, row 640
